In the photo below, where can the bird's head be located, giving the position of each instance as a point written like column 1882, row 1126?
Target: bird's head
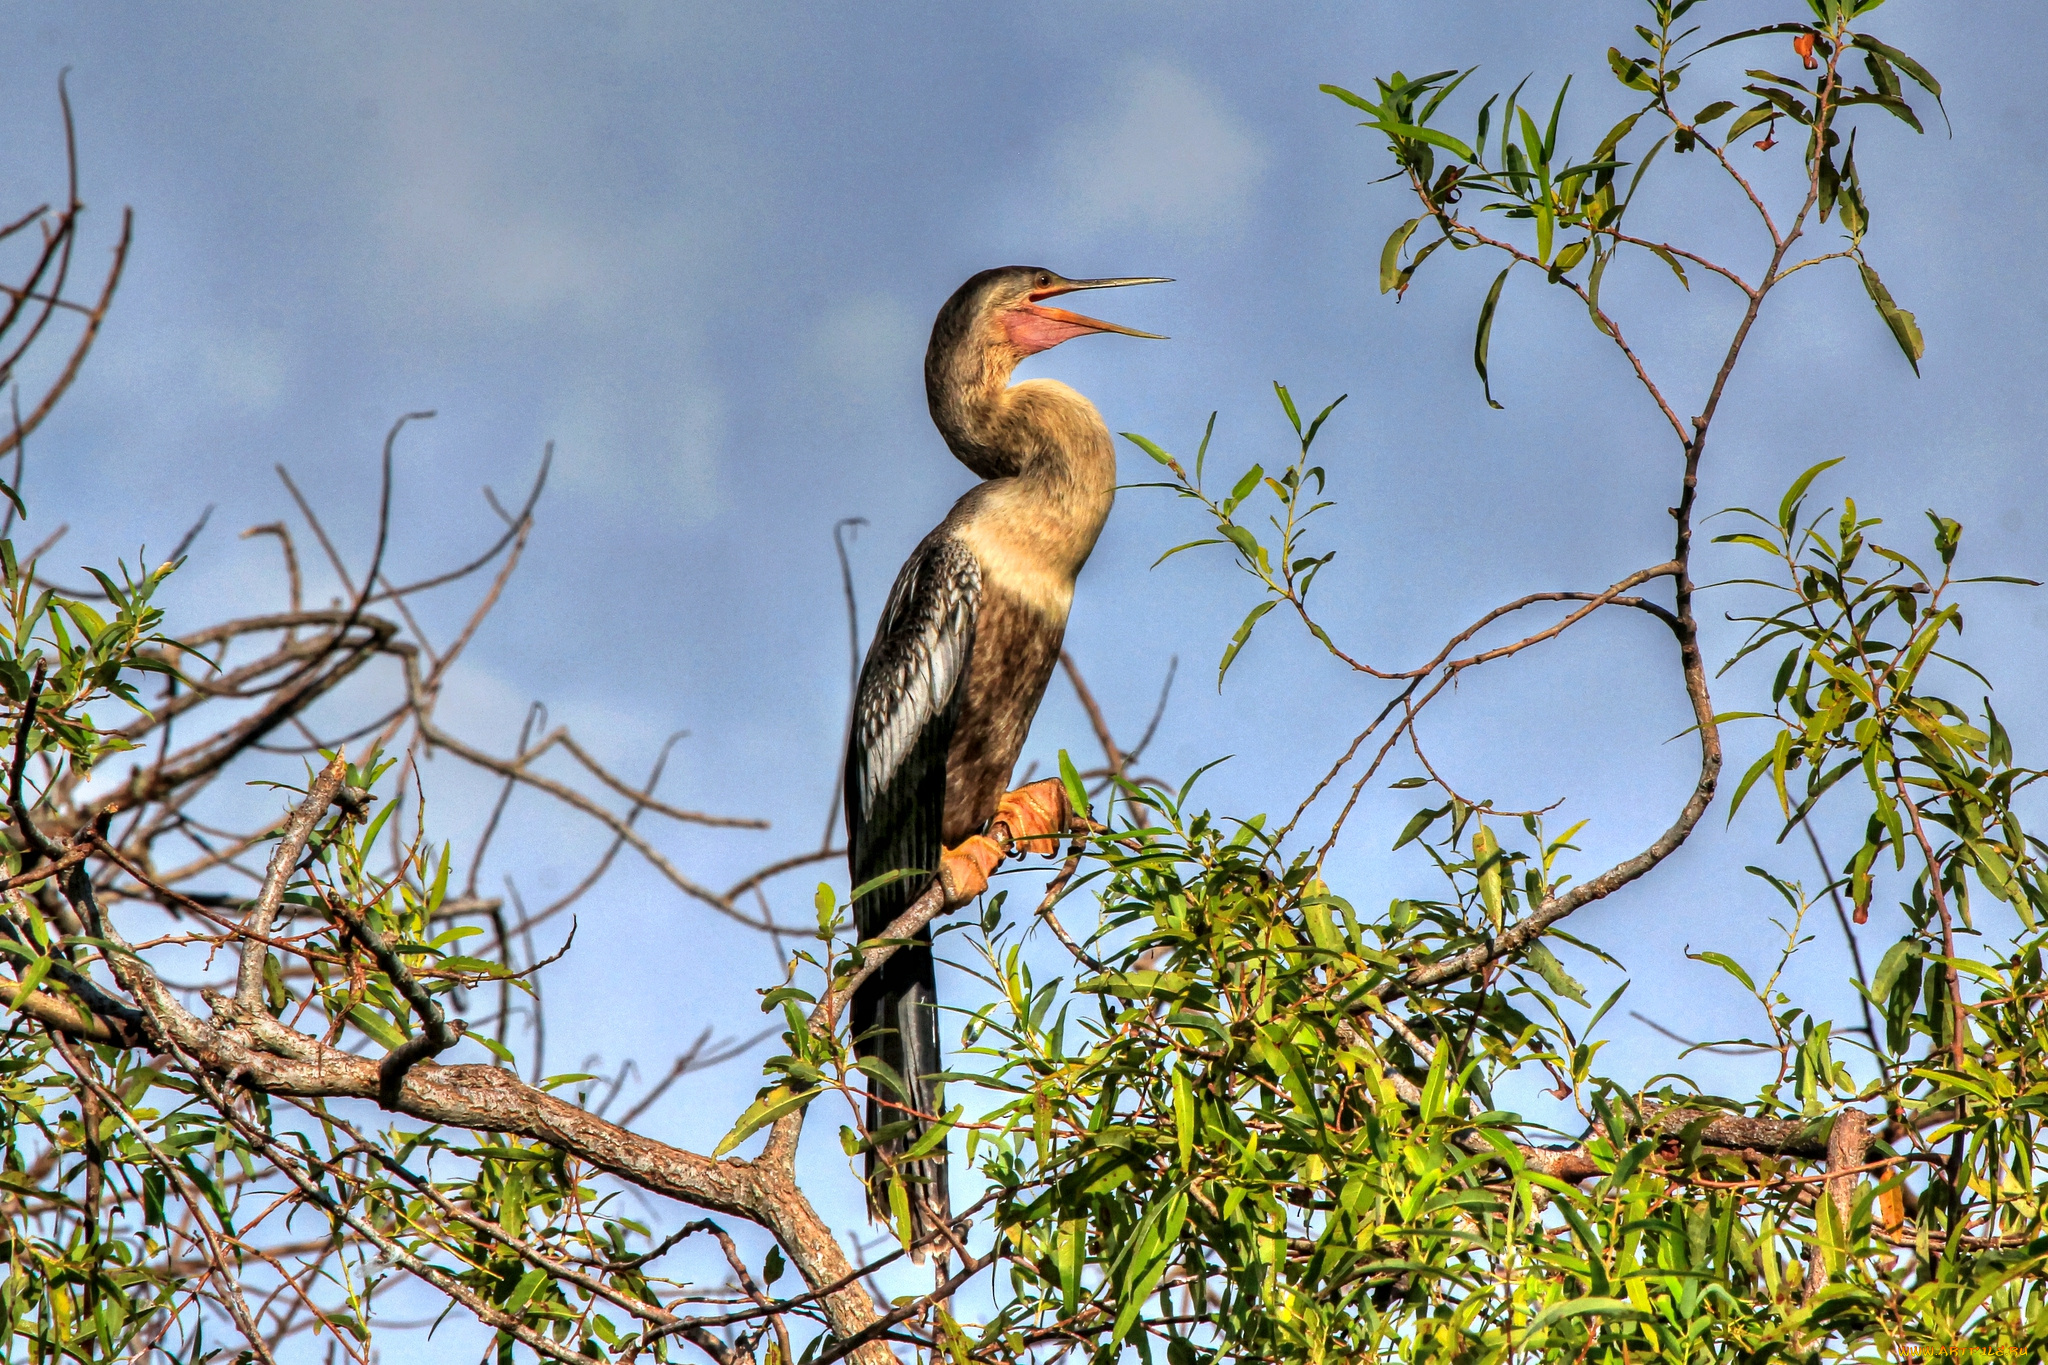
column 992, row 322
column 1003, row 311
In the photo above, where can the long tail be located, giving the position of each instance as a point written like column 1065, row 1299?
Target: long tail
column 896, row 1022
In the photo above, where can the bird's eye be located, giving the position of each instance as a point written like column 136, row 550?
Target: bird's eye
column 1045, row 279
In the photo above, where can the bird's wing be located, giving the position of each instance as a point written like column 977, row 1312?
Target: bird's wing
column 903, row 717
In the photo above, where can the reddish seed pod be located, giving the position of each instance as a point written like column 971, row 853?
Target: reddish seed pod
column 1803, row 45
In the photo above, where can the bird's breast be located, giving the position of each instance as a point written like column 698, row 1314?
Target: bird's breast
column 1026, row 565
column 1016, row 646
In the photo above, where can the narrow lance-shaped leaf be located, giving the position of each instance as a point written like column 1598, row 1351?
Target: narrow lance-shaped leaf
column 762, row 1112
column 1485, row 336
column 1407, row 274
column 1751, row 119
column 1390, row 254
column 1758, row 33
column 1287, row 403
column 1631, row 73
column 1070, row 778
column 1244, row 633
column 1919, row 74
column 1546, row 965
column 1905, row 329
column 1429, row 135
column 1355, row 101
column 1550, row 132
column 1788, row 506
column 1600, row 260
column 1309, row 437
column 1665, row 256
column 1486, row 853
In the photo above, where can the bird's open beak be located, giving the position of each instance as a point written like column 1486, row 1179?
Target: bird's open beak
column 1079, row 323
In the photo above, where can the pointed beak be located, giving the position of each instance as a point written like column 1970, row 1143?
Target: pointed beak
column 1079, row 323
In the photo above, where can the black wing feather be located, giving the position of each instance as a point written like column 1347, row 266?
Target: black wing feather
column 911, row 688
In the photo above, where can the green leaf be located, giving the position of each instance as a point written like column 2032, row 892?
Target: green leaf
column 1429, row 135
column 1759, row 33
column 1546, row 965
column 1244, row 633
column 1728, row 965
column 1151, row 448
column 1077, row 790
column 1486, row 854
column 899, row 1211
column 2000, row 752
column 1407, row 274
column 378, row 1029
column 1635, row 74
column 1665, row 256
column 1070, row 1255
column 876, row 1069
column 1612, row 142
column 31, row 979
column 1480, row 343
column 1713, row 111
column 89, row 622
column 1751, row 119
column 1892, row 105
column 1252, row 476
column 1355, row 101
column 1788, row 506
column 764, row 1111
column 530, row 1281
column 1155, row 1240
column 1184, row 1117
column 874, row 884
column 1568, row 257
column 1190, row 545
column 1617, row 1309
column 1390, row 254
column 1550, row 130
column 1308, row 438
column 1600, row 260
column 1905, row 330
column 1419, row 822
column 1918, row 73
column 932, row 1137
column 1894, row 963
column 1436, row 100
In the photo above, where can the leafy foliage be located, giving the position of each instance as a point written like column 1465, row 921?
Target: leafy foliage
column 1246, row 1115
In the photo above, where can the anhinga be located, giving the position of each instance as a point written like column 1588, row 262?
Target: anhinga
column 961, row 657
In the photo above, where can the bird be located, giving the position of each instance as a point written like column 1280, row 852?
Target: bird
column 960, row 660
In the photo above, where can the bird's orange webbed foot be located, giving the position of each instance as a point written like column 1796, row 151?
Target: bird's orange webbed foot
column 1030, row 819
column 964, row 869
column 1034, row 816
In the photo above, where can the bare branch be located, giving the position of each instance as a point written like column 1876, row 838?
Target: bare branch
column 284, row 860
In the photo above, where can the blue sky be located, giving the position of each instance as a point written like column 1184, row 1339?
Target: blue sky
column 699, row 247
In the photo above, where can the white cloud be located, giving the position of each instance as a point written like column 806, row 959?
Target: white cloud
column 1164, row 153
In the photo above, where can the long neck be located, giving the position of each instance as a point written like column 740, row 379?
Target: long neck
column 1044, row 450
column 966, row 380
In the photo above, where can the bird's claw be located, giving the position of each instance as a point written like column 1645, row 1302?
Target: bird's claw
column 964, row 869
column 1036, row 813
column 1034, row 816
